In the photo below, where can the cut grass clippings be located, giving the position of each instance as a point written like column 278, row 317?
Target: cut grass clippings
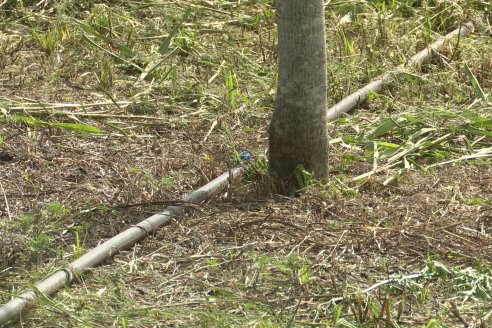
column 112, row 110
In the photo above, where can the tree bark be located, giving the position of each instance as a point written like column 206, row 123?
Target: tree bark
column 298, row 133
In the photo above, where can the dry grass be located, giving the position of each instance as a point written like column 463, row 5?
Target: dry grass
column 69, row 173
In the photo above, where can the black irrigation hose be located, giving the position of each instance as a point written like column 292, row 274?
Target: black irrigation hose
column 132, row 235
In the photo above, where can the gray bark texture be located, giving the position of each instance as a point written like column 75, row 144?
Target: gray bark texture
column 298, row 133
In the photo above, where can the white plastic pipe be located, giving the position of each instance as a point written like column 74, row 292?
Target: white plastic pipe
column 114, row 245
column 359, row 96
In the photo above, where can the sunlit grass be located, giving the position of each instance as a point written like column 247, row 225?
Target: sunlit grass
column 159, row 75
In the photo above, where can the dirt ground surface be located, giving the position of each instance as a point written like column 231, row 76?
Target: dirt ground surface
column 409, row 246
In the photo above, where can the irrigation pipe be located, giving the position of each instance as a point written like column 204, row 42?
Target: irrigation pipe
column 353, row 100
column 129, row 237
column 125, row 239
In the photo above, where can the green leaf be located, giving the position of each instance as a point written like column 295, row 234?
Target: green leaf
column 131, row 63
column 483, row 123
column 82, row 128
column 152, row 67
column 388, row 145
column 77, row 127
column 475, row 83
column 386, row 126
column 167, row 41
column 127, row 52
column 476, row 131
column 28, row 120
column 221, row 293
column 435, row 268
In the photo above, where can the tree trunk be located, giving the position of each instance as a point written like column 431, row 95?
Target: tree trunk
column 298, row 133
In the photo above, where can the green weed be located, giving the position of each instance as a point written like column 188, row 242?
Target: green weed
column 199, row 77
column 50, row 41
column 38, row 229
column 230, row 85
column 105, row 75
column 304, row 178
